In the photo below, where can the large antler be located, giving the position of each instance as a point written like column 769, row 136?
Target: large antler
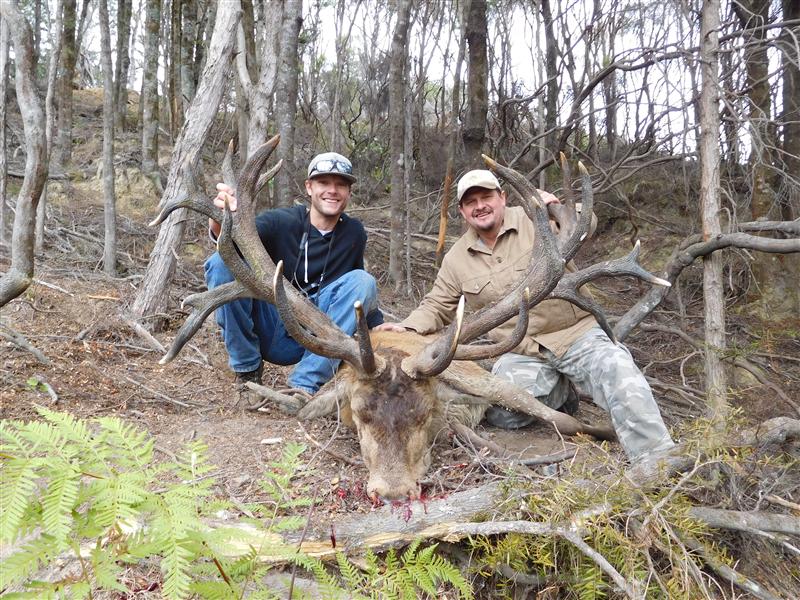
column 257, row 276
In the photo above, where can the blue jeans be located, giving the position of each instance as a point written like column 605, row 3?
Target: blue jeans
column 253, row 330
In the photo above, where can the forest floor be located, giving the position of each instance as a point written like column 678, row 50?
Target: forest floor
column 99, row 366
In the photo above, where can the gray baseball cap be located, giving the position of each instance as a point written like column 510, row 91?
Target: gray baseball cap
column 331, row 163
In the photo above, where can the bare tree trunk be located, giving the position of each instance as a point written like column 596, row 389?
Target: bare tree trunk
column 397, row 71
column 50, row 119
column 20, row 274
column 709, row 199
column 152, row 297
column 451, row 145
column 109, row 201
column 120, row 73
column 551, row 72
column 188, row 30
column 149, row 99
column 771, row 294
column 61, row 153
column 477, row 81
column 286, row 99
column 175, row 36
column 790, row 149
column 262, row 66
column 5, row 209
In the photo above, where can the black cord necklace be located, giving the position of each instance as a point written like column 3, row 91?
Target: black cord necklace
column 303, row 253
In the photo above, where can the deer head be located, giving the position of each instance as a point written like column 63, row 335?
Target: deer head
column 400, row 390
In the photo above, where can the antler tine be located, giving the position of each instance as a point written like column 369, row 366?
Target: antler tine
column 568, row 197
column 228, row 172
column 203, row 304
column 249, row 176
column 365, row 350
column 187, row 200
column 567, row 288
column 436, row 356
column 465, row 352
column 267, row 177
column 584, row 224
column 338, row 345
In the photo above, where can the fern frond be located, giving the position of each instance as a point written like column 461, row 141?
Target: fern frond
column 136, row 445
column 19, row 481
column 353, row 577
column 59, row 500
column 24, row 562
column 175, row 567
column 106, row 571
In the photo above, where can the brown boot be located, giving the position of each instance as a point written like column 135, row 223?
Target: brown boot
column 251, row 399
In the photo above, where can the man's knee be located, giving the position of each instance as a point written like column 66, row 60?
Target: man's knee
column 216, row 271
column 362, row 280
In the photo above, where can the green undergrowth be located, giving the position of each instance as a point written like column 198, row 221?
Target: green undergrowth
column 89, row 495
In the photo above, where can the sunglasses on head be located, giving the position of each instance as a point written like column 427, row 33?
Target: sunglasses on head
column 331, row 165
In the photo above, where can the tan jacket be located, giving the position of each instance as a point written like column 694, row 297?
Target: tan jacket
column 484, row 275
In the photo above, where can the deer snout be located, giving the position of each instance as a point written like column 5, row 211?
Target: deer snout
column 394, row 489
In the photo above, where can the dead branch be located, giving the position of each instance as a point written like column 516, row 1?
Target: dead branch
column 684, row 255
column 746, row 521
column 726, row 572
column 20, row 342
column 145, row 335
column 738, row 361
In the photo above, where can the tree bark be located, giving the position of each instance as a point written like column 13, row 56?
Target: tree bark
column 397, row 84
column 710, row 205
column 286, row 99
column 790, row 149
column 20, row 273
column 50, row 120
column 5, row 209
column 151, row 298
column 451, row 143
column 257, row 76
column 175, row 37
column 149, row 100
column 120, row 81
column 188, row 29
column 109, row 200
column 551, row 72
column 477, row 80
column 61, row 153
column 771, row 294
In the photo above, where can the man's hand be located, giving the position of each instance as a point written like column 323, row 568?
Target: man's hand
column 547, row 197
column 225, row 192
column 390, row 327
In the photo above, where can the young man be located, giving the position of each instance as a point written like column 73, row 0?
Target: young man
column 561, row 339
column 322, row 250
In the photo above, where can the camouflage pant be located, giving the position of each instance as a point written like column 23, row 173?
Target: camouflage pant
column 607, row 372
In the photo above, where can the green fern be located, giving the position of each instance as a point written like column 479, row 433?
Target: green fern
column 100, row 488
